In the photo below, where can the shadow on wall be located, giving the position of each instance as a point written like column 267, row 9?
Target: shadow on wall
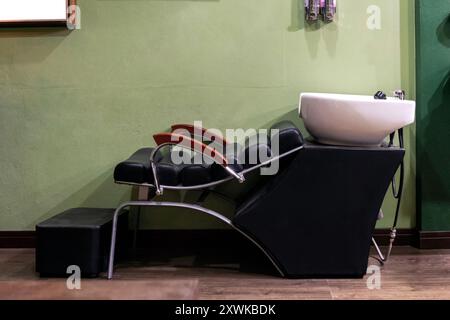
column 32, row 47
column 33, row 32
column 297, row 16
column 327, row 31
column 435, row 159
column 97, row 193
column 443, row 32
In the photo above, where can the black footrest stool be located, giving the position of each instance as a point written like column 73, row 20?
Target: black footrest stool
column 81, row 237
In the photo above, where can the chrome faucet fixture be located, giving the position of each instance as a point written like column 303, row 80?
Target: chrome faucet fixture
column 401, row 94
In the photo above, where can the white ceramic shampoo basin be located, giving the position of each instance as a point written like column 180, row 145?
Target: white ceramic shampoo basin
column 352, row 120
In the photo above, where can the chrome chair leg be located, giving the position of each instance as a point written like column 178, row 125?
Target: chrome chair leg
column 196, row 208
column 113, row 239
column 113, row 246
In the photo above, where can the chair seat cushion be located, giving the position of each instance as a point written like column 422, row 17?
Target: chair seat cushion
column 137, row 168
column 195, row 174
column 289, row 136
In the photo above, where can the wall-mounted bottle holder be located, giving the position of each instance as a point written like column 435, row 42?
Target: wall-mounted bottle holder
column 312, row 10
column 316, row 8
column 328, row 10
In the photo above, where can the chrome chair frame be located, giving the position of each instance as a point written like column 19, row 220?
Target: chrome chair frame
column 159, row 189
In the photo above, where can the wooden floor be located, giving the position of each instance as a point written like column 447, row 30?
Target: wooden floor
column 410, row 274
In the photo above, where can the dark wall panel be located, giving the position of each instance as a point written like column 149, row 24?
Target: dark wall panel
column 433, row 114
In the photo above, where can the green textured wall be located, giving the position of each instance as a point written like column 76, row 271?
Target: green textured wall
column 74, row 104
column 433, row 134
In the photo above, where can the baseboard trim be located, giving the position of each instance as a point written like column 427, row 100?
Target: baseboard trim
column 208, row 239
column 405, row 237
column 17, row 239
column 434, row 239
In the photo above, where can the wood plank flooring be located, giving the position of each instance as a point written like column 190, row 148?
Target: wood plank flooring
column 410, row 274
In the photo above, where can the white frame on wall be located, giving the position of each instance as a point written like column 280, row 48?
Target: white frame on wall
column 34, row 13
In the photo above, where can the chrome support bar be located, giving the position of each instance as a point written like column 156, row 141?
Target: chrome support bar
column 177, row 205
column 377, row 248
column 239, row 176
column 160, row 189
